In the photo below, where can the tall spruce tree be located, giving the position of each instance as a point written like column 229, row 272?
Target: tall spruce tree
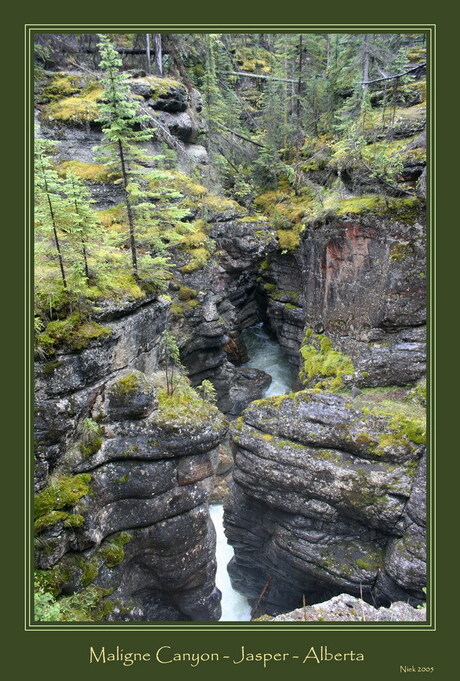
column 50, row 207
column 154, row 217
column 82, row 227
column 121, row 119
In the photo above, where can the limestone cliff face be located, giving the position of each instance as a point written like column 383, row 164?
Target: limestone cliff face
column 68, row 383
column 365, row 288
column 139, row 487
column 327, row 497
column 358, row 277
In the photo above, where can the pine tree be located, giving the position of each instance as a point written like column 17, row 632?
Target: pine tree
column 121, row 120
column 154, row 217
column 50, row 207
column 82, row 226
column 172, row 359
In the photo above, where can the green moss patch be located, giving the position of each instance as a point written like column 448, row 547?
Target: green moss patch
column 112, row 551
column 126, row 385
column 75, row 333
column 405, row 210
column 405, row 415
column 186, row 293
column 184, row 407
column 54, row 503
column 323, row 366
column 62, row 85
column 93, row 172
column 219, row 204
column 200, row 257
column 289, row 240
column 159, row 86
column 77, row 109
column 253, row 59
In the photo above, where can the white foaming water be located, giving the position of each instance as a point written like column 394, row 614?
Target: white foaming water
column 267, row 356
column 235, row 607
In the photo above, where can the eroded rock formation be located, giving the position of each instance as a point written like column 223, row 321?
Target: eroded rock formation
column 327, row 497
column 139, row 486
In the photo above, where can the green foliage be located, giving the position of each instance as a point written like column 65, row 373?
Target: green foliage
column 88, row 605
column 208, row 391
column 183, row 407
column 171, row 355
column 323, row 367
column 46, row 608
column 153, row 216
column 91, row 437
column 72, row 249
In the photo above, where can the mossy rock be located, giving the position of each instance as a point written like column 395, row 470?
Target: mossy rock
column 91, row 172
column 200, row 257
column 185, row 293
column 61, row 495
column 167, row 94
column 77, row 109
column 323, row 366
column 74, row 333
column 112, row 550
column 403, row 210
column 185, row 408
column 130, row 396
column 288, row 240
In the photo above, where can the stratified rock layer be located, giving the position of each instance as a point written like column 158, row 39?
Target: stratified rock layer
column 326, row 498
column 149, row 480
column 359, row 277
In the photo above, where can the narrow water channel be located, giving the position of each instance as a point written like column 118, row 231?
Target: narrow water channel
column 265, row 354
column 235, row 607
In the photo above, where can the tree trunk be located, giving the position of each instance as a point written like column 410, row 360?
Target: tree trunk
column 147, row 54
column 366, row 58
column 56, row 239
column 132, row 240
column 298, row 135
column 158, row 54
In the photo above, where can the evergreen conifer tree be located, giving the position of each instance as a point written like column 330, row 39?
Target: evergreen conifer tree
column 50, row 207
column 122, row 130
column 154, row 218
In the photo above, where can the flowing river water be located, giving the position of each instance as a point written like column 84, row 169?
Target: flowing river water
column 265, row 354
